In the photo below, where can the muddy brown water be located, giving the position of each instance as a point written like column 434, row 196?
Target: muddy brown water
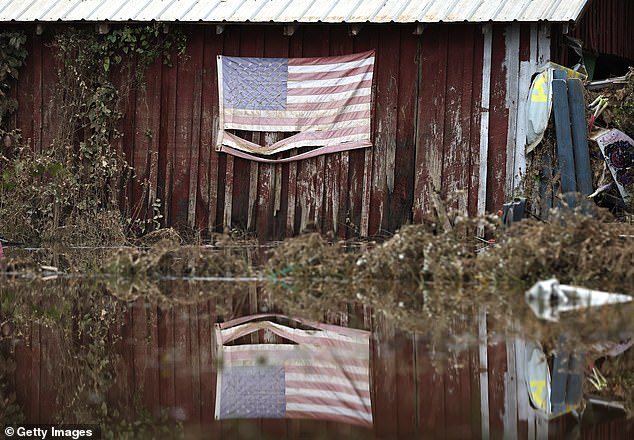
column 140, row 358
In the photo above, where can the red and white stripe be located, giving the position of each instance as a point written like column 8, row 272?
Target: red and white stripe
column 338, row 392
column 328, row 103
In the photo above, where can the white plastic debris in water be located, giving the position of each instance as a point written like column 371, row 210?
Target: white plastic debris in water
column 547, row 299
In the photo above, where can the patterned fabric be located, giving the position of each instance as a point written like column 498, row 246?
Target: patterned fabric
column 254, row 83
column 249, row 392
column 325, row 102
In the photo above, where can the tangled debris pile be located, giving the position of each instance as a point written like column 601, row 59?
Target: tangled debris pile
column 618, row 384
column 619, row 111
column 167, row 259
column 419, row 274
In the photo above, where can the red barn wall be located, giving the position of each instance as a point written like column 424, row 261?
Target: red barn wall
column 433, row 127
column 606, row 28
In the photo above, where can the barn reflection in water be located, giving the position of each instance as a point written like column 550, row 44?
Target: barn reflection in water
column 168, row 358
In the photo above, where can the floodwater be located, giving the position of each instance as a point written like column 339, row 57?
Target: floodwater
column 196, row 358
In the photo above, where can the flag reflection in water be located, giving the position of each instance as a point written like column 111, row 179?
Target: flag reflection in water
column 321, row 373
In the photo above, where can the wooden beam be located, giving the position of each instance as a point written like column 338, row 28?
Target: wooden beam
column 484, row 371
column 487, row 30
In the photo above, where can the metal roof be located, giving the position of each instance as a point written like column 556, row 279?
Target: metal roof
column 290, row 11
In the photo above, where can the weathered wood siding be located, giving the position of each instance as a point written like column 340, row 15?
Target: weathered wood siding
column 446, row 118
column 606, row 28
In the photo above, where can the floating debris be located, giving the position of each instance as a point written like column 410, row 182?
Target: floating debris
column 547, row 299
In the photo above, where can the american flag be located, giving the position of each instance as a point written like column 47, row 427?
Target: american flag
column 325, row 101
column 323, row 374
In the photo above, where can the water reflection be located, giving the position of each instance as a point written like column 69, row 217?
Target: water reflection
column 315, row 371
column 179, row 358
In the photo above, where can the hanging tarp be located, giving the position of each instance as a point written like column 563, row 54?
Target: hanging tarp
column 540, row 102
column 538, row 108
column 324, row 102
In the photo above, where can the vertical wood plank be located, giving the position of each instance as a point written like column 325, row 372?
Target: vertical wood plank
column 385, row 382
column 510, row 391
column 369, row 40
column 122, row 79
column 484, row 372
column 140, row 359
column 455, row 177
column 319, row 188
column 405, row 369
column 207, row 366
column 485, row 119
column 23, row 374
column 498, row 121
column 196, row 145
column 525, row 414
column 152, row 99
column 266, row 194
column 476, row 107
column 25, row 113
column 167, row 139
column 232, row 37
column 474, row 377
column 209, row 181
column 431, row 395
column 36, row 367
column 292, row 199
column 331, row 192
column 544, row 43
column 431, row 129
column 385, row 126
column 36, row 60
column 183, row 148
column 512, row 63
column 137, row 140
column 340, row 227
column 401, row 199
column 49, row 111
column 167, row 392
column 496, row 358
column 365, row 198
column 183, row 384
column 50, row 351
column 458, row 390
column 194, row 369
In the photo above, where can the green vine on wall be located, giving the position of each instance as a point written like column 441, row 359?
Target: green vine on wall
column 12, row 56
column 71, row 191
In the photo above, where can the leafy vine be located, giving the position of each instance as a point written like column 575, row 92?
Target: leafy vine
column 72, row 190
column 13, row 53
